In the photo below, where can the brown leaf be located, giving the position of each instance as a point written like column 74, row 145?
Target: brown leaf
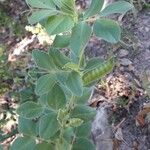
column 140, row 118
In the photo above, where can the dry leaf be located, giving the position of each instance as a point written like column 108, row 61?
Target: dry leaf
column 140, row 118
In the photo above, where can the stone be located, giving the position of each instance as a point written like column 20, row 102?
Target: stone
column 125, row 62
column 123, row 53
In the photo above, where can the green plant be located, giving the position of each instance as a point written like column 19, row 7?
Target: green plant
column 59, row 118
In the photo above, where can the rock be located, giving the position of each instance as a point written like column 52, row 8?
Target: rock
column 125, row 62
column 123, row 53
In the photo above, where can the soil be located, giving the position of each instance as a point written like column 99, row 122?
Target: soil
column 124, row 97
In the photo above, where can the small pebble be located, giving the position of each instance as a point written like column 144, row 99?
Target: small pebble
column 125, row 62
column 123, row 53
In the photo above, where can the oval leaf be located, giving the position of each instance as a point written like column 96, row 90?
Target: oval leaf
column 120, row 7
column 39, row 15
column 23, row 143
column 48, row 126
column 47, row 4
column 30, row 110
column 61, row 41
column 56, row 98
column 58, row 24
column 74, row 83
column 59, row 58
column 44, row 146
column 108, row 30
column 83, row 112
column 80, row 36
column 44, row 84
column 95, row 7
column 27, row 126
column 83, row 144
column 43, row 60
column 84, row 130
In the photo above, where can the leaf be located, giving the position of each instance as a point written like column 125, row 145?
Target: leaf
column 26, row 94
column 140, row 118
column 80, row 36
column 74, row 83
column 120, row 7
column 23, row 143
column 47, row 4
column 44, row 84
column 27, row 126
column 72, row 66
column 83, row 112
column 95, row 7
column 43, row 60
column 61, row 41
column 1, row 148
column 39, row 15
column 108, row 30
column 84, row 130
column 56, row 98
column 83, row 144
column 68, row 6
column 68, row 134
column 93, row 62
column 44, row 146
column 58, row 24
column 85, row 96
column 30, row 110
column 59, row 58
column 48, row 126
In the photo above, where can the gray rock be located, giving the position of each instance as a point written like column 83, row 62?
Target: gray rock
column 123, row 53
column 125, row 62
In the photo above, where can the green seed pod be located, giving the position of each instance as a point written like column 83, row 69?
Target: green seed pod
column 98, row 72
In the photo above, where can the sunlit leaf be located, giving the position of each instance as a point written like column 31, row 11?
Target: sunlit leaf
column 120, row 7
column 108, row 30
column 95, row 7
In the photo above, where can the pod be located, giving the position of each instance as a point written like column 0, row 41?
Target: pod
column 98, row 72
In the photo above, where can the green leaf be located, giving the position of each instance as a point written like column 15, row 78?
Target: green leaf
column 27, row 126
column 80, row 36
column 58, row 24
column 108, row 30
column 26, row 94
column 84, row 130
column 68, row 134
column 44, row 146
column 23, row 143
column 48, row 126
column 30, row 110
column 93, row 62
column 72, row 66
column 68, row 6
column 120, row 7
column 43, row 60
column 39, row 15
column 59, row 58
column 74, row 83
column 56, row 98
column 1, row 148
column 61, row 41
column 95, row 7
column 85, row 96
column 43, row 99
column 44, row 84
column 83, row 144
column 83, row 112
column 47, row 4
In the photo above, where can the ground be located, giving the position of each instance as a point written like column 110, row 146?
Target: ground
column 120, row 98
